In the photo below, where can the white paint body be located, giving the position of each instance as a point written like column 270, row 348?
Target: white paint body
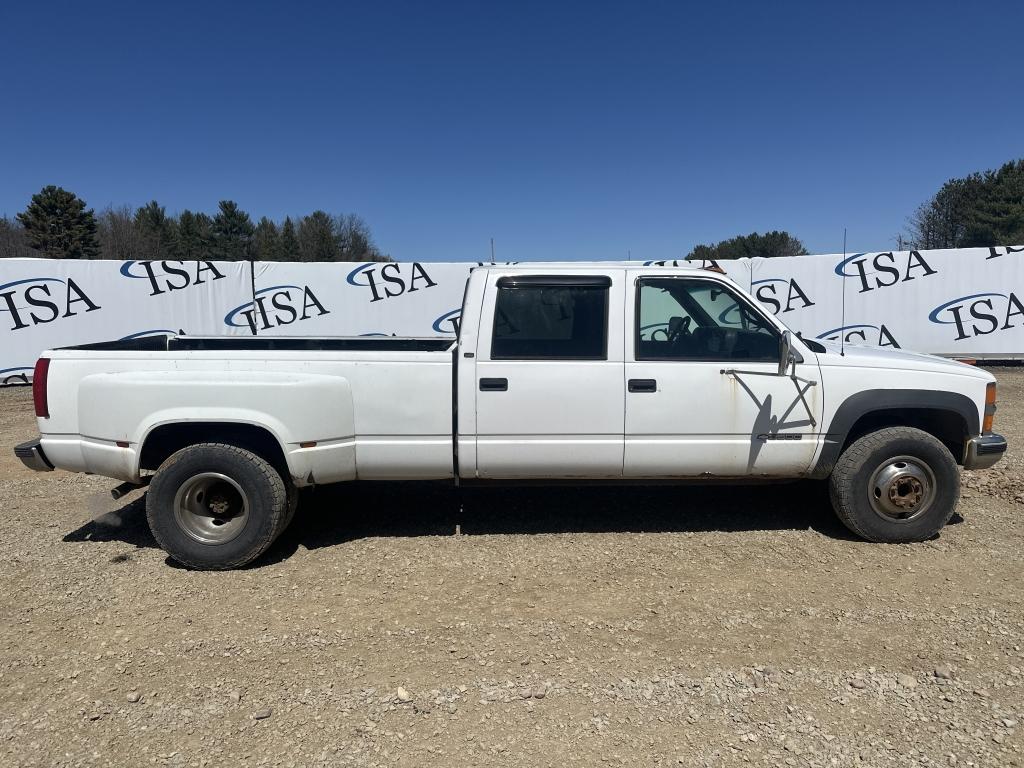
column 389, row 414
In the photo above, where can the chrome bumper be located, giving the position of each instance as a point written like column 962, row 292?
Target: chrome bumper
column 32, row 456
column 984, row 451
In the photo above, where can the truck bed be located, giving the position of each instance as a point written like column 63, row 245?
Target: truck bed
column 167, row 343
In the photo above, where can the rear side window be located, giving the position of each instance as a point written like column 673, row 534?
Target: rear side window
column 534, row 320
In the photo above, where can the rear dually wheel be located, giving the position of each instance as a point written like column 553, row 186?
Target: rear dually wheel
column 215, row 506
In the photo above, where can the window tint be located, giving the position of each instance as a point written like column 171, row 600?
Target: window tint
column 681, row 319
column 550, row 321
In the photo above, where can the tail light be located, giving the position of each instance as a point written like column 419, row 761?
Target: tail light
column 39, row 397
column 990, row 407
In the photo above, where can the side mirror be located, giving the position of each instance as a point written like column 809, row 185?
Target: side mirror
column 787, row 355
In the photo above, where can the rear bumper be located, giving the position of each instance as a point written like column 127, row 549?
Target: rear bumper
column 984, row 451
column 32, row 456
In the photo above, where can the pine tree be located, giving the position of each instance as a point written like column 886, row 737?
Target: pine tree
column 58, row 224
column 193, row 236
column 289, row 241
column 981, row 209
column 318, row 240
column 156, row 231
column 266, row 242
column 232, row 232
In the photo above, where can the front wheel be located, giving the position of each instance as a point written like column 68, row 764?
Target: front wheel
column 895, row 485
column 214, row 506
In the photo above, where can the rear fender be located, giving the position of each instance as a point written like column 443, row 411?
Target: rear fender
column 296, row 408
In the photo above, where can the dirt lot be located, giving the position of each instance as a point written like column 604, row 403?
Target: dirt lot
column 626, row 626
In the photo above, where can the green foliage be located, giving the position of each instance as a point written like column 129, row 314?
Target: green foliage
column 266, row 242
column 768, row 245
column 58, row 225
column 232, row 232
column 156, row 231
column 289, row 241
column 318, row 240
column 193, row 236
column 982, row 209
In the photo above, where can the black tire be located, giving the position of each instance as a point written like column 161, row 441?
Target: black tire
column 896, row 485
column 214, row 507
column 293, row 504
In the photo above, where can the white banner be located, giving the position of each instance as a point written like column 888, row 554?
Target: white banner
column 966, row 303
column 46, row 303
column 354, row 299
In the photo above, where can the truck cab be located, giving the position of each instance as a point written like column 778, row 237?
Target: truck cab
column 629, row 373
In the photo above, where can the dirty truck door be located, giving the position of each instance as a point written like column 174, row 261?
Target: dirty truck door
column 702, row 397
column 549, row 368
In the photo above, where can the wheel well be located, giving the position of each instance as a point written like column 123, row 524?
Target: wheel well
column 168, row 438
column 949, row 427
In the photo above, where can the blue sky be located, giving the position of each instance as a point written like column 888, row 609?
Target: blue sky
column 563, row 130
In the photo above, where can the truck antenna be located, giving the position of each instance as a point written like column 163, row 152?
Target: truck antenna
column 842, row 319
column 492, row 250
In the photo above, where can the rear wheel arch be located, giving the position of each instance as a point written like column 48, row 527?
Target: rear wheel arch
column 163, row 440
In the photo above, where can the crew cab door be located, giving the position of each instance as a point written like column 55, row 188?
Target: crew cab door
column 548, row 378
column 703, row 395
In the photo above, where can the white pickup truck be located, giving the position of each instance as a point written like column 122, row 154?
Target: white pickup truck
column 575, row 372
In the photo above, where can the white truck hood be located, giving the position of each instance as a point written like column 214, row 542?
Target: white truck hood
column 866, row 356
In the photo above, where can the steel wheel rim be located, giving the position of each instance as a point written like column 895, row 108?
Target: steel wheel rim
column 211, row 508
column 901, row 489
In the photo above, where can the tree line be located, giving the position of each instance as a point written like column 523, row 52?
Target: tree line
column 977, row 211
column 57, row 224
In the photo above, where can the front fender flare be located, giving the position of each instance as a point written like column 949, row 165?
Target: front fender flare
column 869, row 401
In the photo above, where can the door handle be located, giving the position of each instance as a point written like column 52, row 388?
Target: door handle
column 643, row 385
column 493, row 385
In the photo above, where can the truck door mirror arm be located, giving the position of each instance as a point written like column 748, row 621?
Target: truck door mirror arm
column 788, row 356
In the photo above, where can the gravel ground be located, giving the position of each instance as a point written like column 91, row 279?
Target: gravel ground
column 664, row 626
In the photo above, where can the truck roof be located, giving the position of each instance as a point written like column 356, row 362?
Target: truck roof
column 704, row 265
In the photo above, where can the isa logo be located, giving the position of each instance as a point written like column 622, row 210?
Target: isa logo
column 781, row 295
column 884, row 270
column 40, row 300
column 276, row 306
column 862, row 333
column 980, row 314
column 390, row 280
column 168, row 276
column 448, row 323
column 994, row 251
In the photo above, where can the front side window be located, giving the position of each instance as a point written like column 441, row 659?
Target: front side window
column 683, row 319
column 535, row 321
